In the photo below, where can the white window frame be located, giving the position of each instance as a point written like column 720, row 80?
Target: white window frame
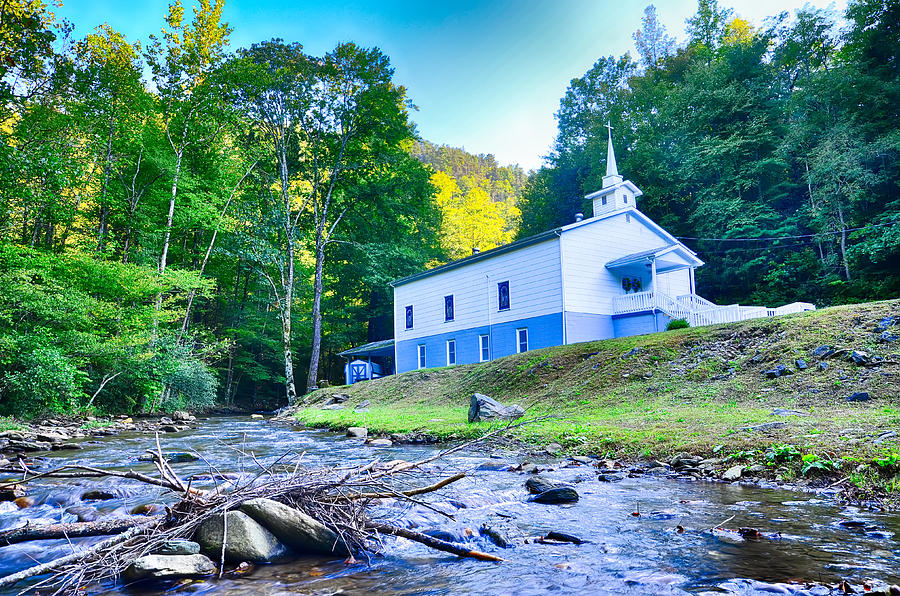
column 421, row 357
column 519, row 332
column 451, row 341
column 484, row 345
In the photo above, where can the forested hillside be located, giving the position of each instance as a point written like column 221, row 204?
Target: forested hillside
column 476, row 196
column 773, row 151
column 218, row 230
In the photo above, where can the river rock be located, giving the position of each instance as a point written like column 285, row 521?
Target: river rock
column 149, row 509
column 333, row 407
column 24, row 502
column 16, row 445
column 357, row 432
column 246, row 540
column 181, row 415
column 51, row 437
column 179, row 546
column 362, row 406
column 65, row 446
column 180, row 457
column 294, row 528
column 379, row 443
column 859, row 396
column 170, row 567
column 257, row 417
column 539, row 484
column 482, row 407
column 97, row 495
column 11, row 493
column 733, row 473
column 556, row 496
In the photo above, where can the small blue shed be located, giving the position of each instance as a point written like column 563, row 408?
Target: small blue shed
column 369, row 361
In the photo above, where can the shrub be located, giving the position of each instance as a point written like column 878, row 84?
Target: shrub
column 192, row 387
column 677, row 324
column 46, row 381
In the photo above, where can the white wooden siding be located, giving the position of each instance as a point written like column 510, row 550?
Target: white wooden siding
column 535, row 289
column 590, row 286
column 675, row 283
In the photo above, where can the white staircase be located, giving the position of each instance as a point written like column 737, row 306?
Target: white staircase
column 697, row 310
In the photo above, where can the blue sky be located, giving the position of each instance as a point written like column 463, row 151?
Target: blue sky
column 485, row 75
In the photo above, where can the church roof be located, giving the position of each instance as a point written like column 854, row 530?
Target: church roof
column 543, row 237
column 683, row 257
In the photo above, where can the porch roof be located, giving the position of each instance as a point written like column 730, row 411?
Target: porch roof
column 385, row 347
column 668, row 258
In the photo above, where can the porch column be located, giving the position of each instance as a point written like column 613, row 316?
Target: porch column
column 693, row 287
column 653, row 277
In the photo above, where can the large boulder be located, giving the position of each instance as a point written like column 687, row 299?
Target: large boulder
column 294, row 528
column 246, row 539
column 482, row 407
column 170, row 567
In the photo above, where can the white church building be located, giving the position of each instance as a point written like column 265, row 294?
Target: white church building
column 615, row 274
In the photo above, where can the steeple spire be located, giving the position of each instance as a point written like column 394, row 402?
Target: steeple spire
column 611, row 169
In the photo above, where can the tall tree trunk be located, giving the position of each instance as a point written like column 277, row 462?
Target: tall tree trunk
column 104, row 187
column 165, row 249
column 812, row 207
column 844, row 261
column 312, row 380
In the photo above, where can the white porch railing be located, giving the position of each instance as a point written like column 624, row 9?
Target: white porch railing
column 697, row 310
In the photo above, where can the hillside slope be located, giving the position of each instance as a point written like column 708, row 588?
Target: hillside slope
column 702, row 390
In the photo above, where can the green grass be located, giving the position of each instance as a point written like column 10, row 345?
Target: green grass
column 97, row 424
column 9, row 423
column 674, row 395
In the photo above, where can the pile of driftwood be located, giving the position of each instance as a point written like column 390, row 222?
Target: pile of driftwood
column 338, row 497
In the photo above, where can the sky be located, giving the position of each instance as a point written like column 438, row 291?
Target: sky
column 486, row 75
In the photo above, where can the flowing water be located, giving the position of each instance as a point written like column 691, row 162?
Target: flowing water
column 626, row 554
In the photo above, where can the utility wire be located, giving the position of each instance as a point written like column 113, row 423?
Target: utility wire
column 881, row 225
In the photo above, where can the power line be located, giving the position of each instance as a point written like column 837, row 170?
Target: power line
column 768, row 238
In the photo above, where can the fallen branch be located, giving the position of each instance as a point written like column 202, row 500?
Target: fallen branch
column 76, row 530
column 43, row 568
column 410, row 493
column 434, row 543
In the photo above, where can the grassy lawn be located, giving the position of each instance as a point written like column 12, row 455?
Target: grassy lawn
column 694, row 390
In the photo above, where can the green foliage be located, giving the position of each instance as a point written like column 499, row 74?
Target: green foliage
column 192, row 387
column 780, row 132
column 45, row 381
column 782, row 453
column 889, row 462
column 812, row 464
column 677, row 324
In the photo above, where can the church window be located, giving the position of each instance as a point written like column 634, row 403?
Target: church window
column 448, row 308
column 409, row 317
column 503, row 295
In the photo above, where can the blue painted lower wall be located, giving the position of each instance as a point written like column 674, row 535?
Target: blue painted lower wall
column 583, row 326
column 639, row 323
column 543, row 332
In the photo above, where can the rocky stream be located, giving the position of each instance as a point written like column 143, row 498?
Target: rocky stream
column 636, row 531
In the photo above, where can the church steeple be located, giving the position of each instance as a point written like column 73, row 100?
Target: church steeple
column 616, row 193
column 612, row 171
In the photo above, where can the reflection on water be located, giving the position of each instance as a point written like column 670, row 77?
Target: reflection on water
column 625, row 554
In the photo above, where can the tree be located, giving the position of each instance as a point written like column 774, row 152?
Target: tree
column 180, row 62
column 652, row 42
column 709, row 25
column 111, row 105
